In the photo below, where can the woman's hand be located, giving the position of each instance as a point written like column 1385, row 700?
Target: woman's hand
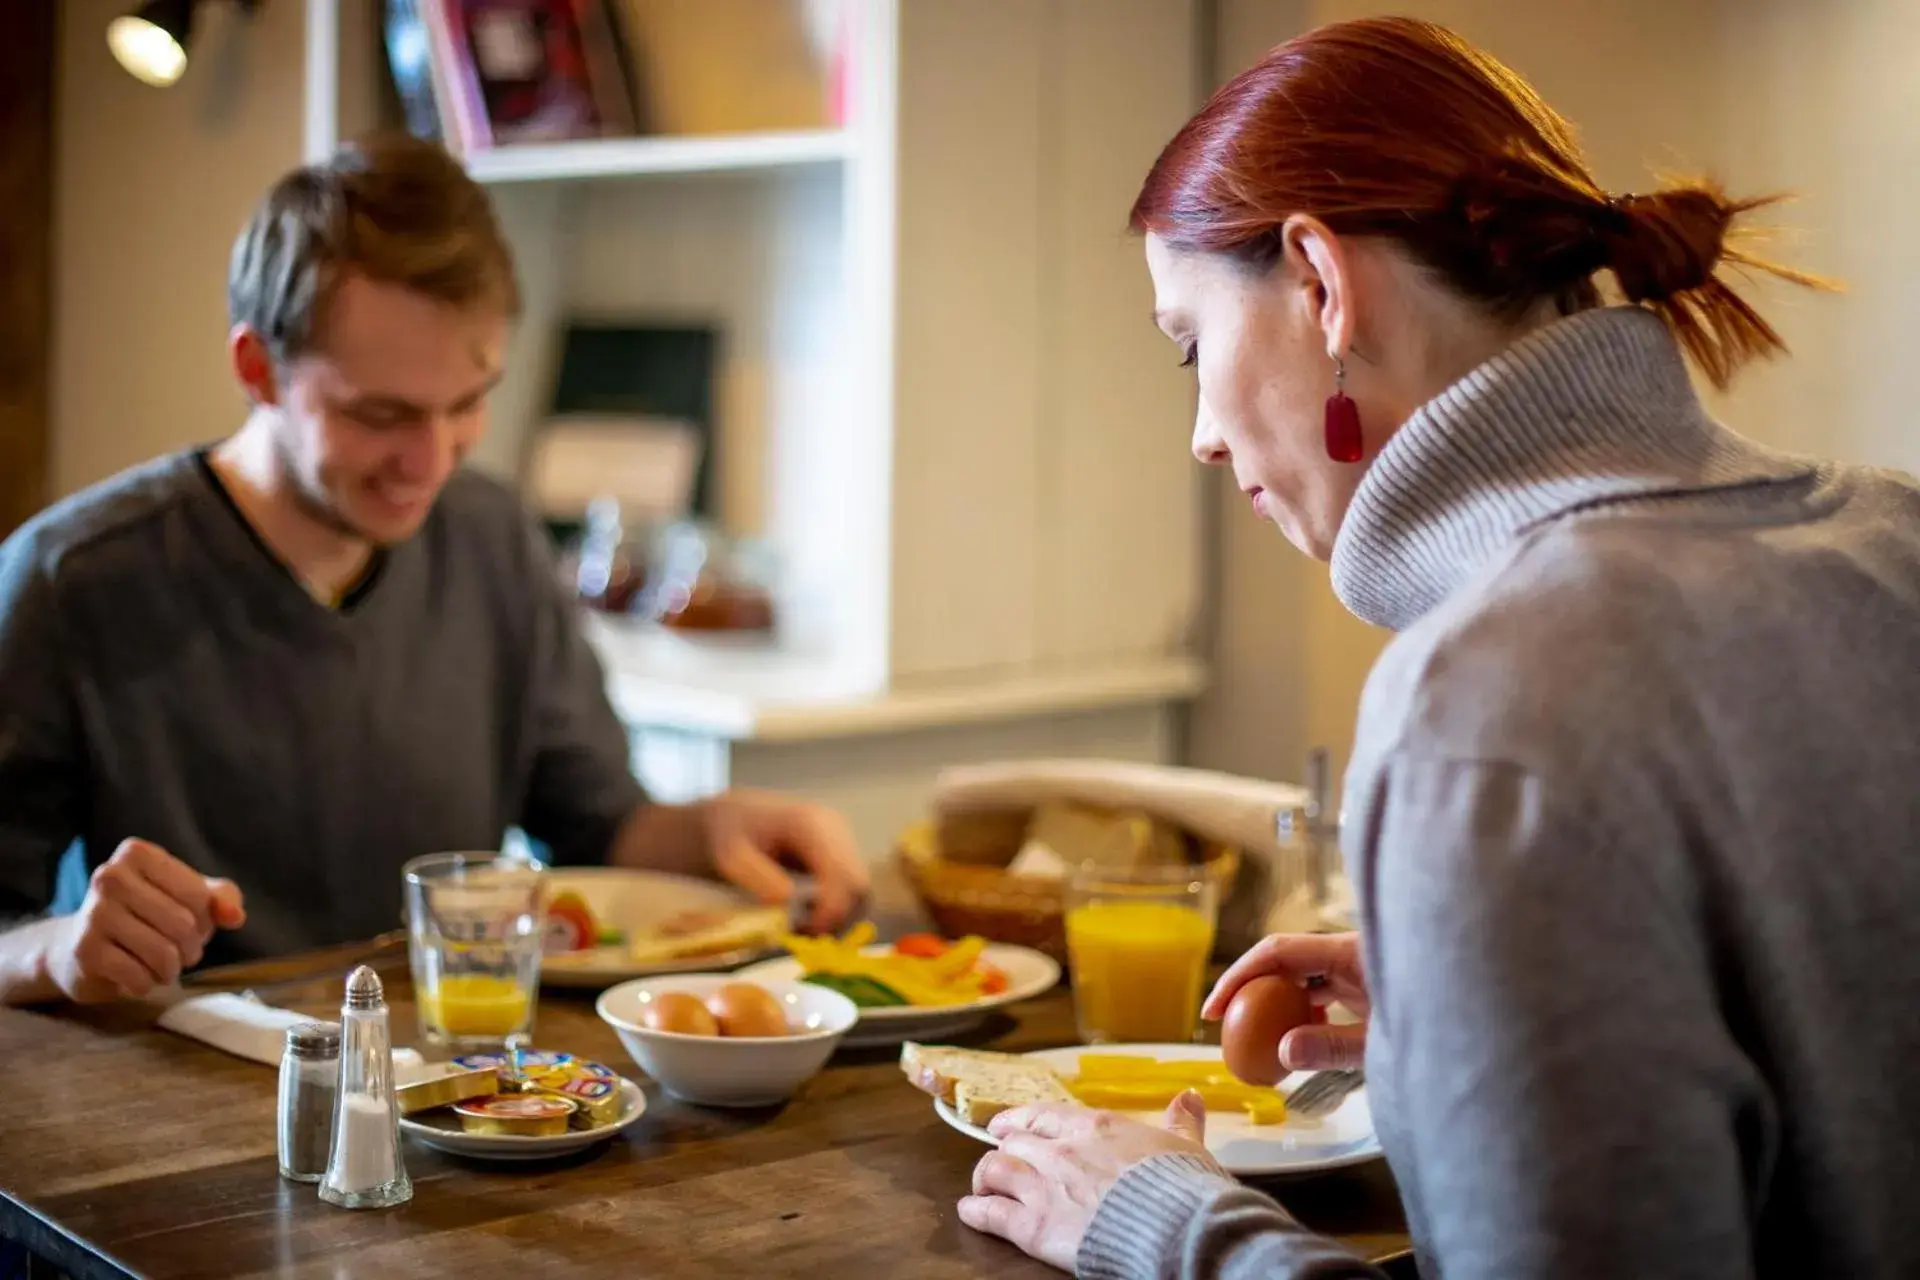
column 1328, row 966
column 1055, row 1164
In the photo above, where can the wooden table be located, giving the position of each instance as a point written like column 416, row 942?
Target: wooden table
column 126, row 1150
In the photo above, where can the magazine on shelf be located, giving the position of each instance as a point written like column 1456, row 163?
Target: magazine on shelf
column 489, row 73
column 521, row 71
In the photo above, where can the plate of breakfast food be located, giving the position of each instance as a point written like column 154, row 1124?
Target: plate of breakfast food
column 1249, row 1129
column 917, row 987
column 532, row 1105
column 610, row 924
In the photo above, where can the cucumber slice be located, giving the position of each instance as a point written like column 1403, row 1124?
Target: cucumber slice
column 868, row 993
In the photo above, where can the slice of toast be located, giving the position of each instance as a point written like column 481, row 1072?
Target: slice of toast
column 950, row 1064
column 979, row 1084
column 704, row 935
column 978, row 1101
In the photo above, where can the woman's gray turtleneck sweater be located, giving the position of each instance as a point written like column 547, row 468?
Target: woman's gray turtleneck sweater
column 1634, row 822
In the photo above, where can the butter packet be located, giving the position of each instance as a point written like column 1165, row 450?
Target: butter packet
column 592, row 1088
column 426, row 1086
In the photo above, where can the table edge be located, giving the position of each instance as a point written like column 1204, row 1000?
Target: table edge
column 50, row 1242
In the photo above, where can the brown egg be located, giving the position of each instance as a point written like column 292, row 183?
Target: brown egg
column 678, row 1011
column 743, row 1009
column 1258, row 1018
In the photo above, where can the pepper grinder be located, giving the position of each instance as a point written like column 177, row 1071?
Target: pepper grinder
column 366, row 1170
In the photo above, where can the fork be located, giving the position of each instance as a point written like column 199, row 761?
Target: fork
column 1323, row 1091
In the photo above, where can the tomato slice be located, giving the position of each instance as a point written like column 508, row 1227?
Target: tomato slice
column 924, row 945
column 993, row 981
column 570, row 925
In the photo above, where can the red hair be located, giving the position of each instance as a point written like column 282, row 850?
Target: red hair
column 1396, row 127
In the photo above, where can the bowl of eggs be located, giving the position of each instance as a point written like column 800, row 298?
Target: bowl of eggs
column 718, row 1041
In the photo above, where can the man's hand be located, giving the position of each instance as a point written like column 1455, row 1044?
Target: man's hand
column 146, row 918
column 1042, row 1187
column 753, row 837
column 1328, row 965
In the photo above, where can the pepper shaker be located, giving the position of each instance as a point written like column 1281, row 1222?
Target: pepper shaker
column 309, row 1086
column 365, row 1170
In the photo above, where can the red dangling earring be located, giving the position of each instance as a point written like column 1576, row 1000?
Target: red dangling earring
column 1344, row 441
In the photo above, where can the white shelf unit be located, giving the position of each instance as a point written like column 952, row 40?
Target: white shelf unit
column 644, row 157
column 941, row 398
column 780, row 242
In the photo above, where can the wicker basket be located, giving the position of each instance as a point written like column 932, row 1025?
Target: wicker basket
column 966, row 888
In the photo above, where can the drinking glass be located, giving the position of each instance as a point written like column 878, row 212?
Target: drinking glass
column 474, row 926
column 1138, row 941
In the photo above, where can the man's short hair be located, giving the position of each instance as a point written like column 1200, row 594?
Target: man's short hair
column 394, row 209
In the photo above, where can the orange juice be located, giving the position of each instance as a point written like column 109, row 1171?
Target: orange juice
column 1138, row 968
column 475, row 1004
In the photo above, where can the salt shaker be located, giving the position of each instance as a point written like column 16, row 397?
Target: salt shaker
column 365, row 1170
column 309, row 1084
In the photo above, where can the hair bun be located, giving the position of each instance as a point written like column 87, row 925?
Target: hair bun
column 1454, row 158
column 1667, row 243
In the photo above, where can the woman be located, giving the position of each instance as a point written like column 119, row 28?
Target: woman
column 1632, row 809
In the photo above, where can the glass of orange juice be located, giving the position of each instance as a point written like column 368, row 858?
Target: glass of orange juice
column 1138, row 941
column 474, row 926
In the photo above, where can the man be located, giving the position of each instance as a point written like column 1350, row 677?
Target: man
column 252, row 680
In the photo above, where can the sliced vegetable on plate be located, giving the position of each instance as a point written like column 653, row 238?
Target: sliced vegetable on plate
column 919, row 970
column 928, row 945
column 868, row 993
column 572, row 926
column 1125, row 1082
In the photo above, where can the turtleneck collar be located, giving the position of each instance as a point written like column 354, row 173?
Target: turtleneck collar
column 1592, row 409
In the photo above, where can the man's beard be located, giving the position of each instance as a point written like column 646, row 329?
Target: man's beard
column 310, row 495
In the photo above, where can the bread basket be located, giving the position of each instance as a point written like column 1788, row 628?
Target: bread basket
column 964, row 897
column 956, row 862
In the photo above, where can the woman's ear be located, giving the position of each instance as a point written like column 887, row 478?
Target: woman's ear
column 1318, row 262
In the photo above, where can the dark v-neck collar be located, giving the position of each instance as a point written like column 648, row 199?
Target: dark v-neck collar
column 249, row 549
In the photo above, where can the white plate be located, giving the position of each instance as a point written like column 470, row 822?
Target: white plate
column 1343, row 1137
column 636, row 901
column 440, row 1129
column 1029, row 973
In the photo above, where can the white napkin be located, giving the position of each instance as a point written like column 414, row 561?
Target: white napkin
column 236, row 1023
column 242, row 1025
column 1217, row 806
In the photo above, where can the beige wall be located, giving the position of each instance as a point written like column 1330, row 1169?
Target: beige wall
column 1821, row 100
column 1769, row 94
column 1772, row 93
column 152, row 186
column 1037, row 472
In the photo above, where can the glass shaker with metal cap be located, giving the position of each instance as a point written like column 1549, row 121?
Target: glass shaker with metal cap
column 365, row 1170
column 309, row 1084
column 1314, row 832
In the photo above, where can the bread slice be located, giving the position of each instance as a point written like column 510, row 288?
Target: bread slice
column 979, row 1084
column 978, row 1101
column 950, row 1064
column 709, row 934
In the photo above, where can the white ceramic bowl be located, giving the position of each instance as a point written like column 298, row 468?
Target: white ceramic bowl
column 730, row 1071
